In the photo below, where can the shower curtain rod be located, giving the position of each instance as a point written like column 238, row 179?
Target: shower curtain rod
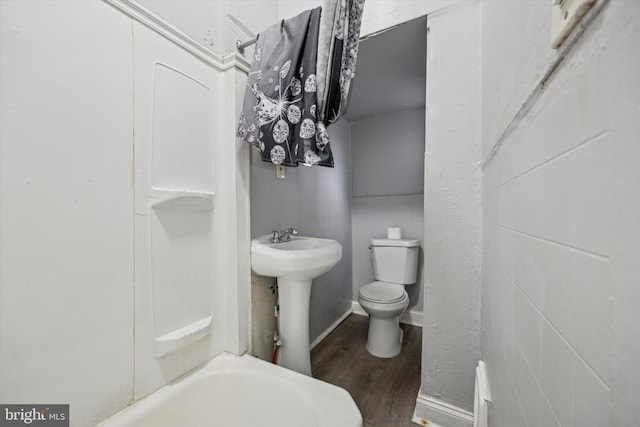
column 241, row 45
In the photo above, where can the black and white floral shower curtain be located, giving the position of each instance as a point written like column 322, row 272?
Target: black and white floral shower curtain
column 299, row 83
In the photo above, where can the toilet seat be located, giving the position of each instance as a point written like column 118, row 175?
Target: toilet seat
column 384, row 302
column 382, row 292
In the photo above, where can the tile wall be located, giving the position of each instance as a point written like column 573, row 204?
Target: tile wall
column 561, row 201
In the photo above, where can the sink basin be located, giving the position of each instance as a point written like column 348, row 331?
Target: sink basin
column 295, row 263
column 302, row 257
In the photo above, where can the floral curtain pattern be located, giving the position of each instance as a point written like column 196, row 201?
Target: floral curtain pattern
column 280, row 107
column 283, row 113
column 339, row 39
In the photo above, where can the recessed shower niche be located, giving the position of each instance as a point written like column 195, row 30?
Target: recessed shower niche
column 181, row 147
column 181, row 202
column 181, row 272
column 175, row 197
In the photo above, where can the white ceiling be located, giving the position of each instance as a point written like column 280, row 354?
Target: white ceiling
column 390, row 72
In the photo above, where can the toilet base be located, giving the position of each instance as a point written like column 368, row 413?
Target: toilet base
column 385, row 337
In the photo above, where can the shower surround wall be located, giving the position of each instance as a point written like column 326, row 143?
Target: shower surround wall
column 326, row 215
column 561, row 207
column 66, row 255
column 71, row 294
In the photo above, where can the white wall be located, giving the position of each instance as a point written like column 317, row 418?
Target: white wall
column 388, row 178
column 451, row 331
column 66, row 254
column 561, row 208
column 217, row 24
column 200, row 19
column 388, row 156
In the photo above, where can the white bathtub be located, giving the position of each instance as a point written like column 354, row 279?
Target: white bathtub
column 233, row 391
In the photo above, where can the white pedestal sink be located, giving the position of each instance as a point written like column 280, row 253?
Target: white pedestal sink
column 295, row 263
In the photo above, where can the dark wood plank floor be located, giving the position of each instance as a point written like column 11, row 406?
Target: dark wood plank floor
column 385, row 390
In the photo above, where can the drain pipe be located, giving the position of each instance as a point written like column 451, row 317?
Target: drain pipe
column 276, row 339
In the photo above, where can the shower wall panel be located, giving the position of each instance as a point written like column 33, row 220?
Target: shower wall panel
column 174, row 96
column 66, row 245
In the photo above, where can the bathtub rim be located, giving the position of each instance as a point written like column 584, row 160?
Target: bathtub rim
column 336, row 400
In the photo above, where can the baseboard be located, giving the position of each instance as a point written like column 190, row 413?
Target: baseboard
column 410, row 317
column 330, row 329
column 436, row 413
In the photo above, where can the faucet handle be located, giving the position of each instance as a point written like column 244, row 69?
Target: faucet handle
column 275, row 236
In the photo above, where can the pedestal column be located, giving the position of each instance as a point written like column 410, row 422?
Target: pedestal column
column 293, row 320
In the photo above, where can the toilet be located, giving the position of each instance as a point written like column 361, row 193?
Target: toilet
column 395, row 264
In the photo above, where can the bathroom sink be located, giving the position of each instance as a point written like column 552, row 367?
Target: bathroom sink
column 295, row 263
column 302, row 258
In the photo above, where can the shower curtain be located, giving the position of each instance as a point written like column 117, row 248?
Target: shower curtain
column 299, row 83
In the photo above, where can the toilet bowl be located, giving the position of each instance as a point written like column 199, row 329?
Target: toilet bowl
column 385, row 303
column 395, row 265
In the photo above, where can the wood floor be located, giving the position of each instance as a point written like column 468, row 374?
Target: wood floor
column 385, row 390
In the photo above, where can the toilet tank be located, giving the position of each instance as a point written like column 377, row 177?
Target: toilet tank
column 395, row 260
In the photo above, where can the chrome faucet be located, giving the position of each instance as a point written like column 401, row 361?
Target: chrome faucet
column 283, row 235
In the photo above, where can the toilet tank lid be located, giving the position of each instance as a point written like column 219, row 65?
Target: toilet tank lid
column 406, row 243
